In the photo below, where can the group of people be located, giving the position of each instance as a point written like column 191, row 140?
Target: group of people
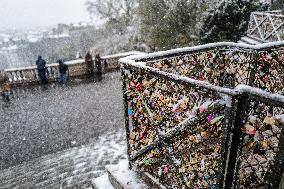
column 64, row 71
column 90, row 65
column 43, row 72
column 5, row 87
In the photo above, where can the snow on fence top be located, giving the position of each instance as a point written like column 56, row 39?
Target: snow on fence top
column 123, row 54
column 272, row 13
column 204, row 47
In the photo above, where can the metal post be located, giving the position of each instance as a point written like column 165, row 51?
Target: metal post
column 126, row 116
column 253, row 66
column 236, row 140
column 226, row 138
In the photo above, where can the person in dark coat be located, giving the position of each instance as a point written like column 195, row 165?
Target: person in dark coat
column 41, row 68
column 5, row 86
column 90, row 64
column 98, row 63
column 63, row 72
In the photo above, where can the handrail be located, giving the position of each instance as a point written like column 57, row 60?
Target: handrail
column 209, row 46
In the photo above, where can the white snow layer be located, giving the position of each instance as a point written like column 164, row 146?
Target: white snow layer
column 128, row 178
column 123, row 54
column 208, row 46
column 103, row 182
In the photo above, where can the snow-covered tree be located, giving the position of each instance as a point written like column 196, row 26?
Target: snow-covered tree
column 117, row 13
column 118, row 32
column 277, row 4
column 167, row 24
column 228, row 20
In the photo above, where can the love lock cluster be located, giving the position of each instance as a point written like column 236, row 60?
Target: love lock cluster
column 270, row 71
column 221, row 68
column 189, row 160
column 155, row 108
column 261, row 132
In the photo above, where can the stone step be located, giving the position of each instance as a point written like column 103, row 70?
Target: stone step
column 102, row 182
column 122, row 178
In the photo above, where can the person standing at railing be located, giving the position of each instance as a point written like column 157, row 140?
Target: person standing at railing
column 41, row 68
column 98, row 63
column 90, row 64
column 63, row 72
column 5, row 86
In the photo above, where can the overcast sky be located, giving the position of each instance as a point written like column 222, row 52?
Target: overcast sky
column 17, row 14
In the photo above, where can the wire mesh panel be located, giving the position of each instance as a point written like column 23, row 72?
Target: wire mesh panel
column 196, row 152
column 260, row 138
column 157, row 106
column 226, row 66
column 188, row 160
column 143, row 130
column 269, row 70
column 160, row 111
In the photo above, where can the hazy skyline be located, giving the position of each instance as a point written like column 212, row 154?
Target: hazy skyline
column 21, row 14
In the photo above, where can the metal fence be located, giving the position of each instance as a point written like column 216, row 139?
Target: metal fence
column 189, row 126
column 266, row 26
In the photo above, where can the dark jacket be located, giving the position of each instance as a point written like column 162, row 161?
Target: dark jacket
column 90, row 64
column 63, row 68
column 98, row 63
column 40, row 64
column 88, row 58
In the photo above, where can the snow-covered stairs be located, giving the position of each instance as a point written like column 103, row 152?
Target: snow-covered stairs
column 71, row 169
column 120, row 177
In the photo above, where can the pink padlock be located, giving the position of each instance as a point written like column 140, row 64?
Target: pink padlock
column 201, row 109
column 210, row 117
column 165, row 169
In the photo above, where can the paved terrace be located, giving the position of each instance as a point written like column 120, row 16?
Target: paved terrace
column 42, row 120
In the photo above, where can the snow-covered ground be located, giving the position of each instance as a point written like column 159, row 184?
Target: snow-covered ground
column 57, row 136
column 43, row 120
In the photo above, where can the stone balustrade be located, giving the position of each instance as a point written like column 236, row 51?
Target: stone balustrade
column 77, row 68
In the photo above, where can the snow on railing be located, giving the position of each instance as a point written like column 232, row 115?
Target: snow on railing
column 76, row 68
column 223, row 64
column 266, row 26
column 192, row 121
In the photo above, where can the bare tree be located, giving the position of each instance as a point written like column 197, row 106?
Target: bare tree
column 113, row 10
